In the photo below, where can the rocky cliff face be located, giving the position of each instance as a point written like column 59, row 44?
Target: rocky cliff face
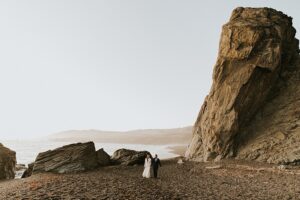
column 7, row 163
column 252, row 111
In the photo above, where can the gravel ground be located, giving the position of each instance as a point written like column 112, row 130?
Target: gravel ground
column 226, row 180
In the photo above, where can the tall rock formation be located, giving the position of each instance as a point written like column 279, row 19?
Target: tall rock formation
column 255, row 92
column 7, row 163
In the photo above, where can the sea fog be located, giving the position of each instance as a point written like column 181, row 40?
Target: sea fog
column 27, row 150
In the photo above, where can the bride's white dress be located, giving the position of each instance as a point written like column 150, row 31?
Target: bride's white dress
column 147, row 168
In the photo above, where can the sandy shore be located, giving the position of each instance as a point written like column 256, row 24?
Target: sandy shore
column 178, row 150
column 228, row 180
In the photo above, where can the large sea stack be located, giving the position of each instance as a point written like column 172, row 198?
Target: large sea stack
column 7, row 163
column 253, row 109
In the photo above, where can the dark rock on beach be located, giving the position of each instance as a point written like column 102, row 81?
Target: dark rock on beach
column 67, row 159
column 7, row 163
column 28, row 171
column 129, row 157
column 103, row 158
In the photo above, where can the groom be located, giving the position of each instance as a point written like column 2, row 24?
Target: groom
column 155, row 165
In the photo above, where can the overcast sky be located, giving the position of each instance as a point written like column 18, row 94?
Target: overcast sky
column 109, row 65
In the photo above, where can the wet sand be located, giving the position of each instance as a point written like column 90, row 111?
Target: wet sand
column 226, row 180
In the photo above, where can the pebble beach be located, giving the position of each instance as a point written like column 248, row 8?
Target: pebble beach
column 190, row 180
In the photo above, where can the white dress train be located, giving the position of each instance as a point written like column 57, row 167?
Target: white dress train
column 147, row 168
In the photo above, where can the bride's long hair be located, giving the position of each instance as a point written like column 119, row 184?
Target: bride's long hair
column 148, row 156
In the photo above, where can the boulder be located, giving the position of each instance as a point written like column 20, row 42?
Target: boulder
column 67, row 159
column 103, row 158
column 129, row 157
column 28, row 171
column 7, row 163
column 253, row 109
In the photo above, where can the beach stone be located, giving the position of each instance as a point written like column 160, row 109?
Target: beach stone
column 7, row 163
column 129, row 157
column 28, row 171
column 180, row 161
column 214, row 167
column 282, row 167
column 67, row 159
column 103, row 158
column 252, row 111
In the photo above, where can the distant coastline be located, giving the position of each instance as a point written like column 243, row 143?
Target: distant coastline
column 178, row 136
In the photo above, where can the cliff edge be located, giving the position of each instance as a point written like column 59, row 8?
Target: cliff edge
column 253, row 108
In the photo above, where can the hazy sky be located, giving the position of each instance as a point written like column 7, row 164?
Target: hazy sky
column 110, row 65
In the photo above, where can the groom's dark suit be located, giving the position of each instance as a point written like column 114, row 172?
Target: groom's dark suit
column 155, row 164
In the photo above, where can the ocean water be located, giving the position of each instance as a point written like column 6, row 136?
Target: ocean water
column 28, row 150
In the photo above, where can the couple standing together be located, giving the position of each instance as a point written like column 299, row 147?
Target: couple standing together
column 151, row 162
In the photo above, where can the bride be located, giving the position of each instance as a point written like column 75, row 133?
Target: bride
column 147, row 166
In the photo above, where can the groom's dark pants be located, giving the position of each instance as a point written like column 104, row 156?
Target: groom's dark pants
column 155, row 169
